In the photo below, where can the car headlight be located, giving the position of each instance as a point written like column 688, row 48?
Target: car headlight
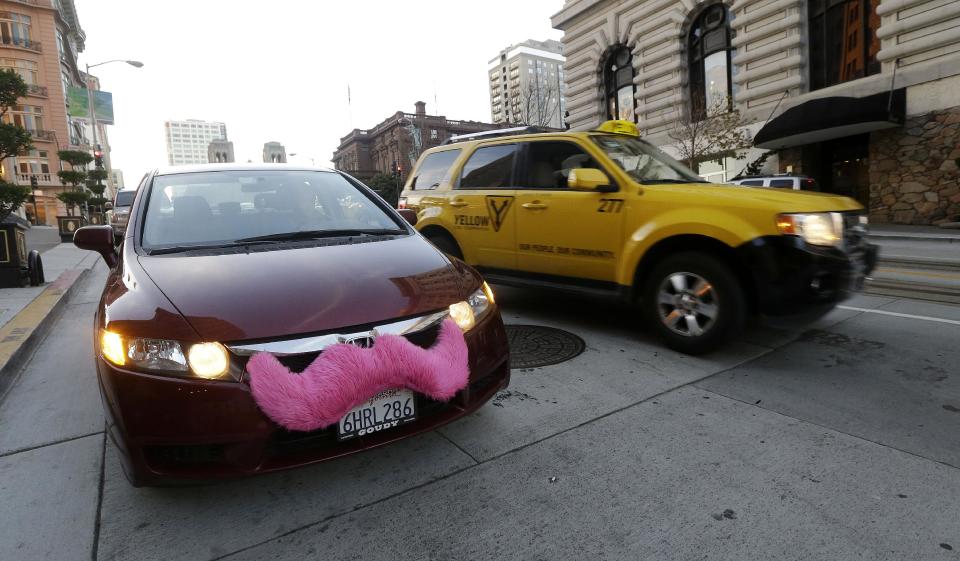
column 821, row 228
column 468, row 312
column 162, row 356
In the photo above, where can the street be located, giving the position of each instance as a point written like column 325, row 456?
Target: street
column 836, row 440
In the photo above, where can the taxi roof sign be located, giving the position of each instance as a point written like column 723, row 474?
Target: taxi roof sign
column 619, row 127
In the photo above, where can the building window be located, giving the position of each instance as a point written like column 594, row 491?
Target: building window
column 618, row 85
column 25, row 68
column 33, row 163
column 14, row 29
column 843, row 41
column 29, row 117
column 709, row 48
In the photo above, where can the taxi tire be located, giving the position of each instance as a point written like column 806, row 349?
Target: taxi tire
column 446, row 244
column 731, row 314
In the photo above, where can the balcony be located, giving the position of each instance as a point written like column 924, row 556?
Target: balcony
column 43, row 179
column 36, row 91
column 45, row 136
column 22, row 43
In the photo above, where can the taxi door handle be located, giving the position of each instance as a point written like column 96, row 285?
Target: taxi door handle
column 534, row 206
column 459, row 203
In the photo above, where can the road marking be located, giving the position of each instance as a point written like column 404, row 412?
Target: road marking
column 899, row 315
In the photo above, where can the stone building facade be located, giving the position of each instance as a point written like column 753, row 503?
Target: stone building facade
column 863, row 95
column 394, row 145
column 40, row 41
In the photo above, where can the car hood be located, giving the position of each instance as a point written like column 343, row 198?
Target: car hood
column 284, row 292
column 776, row 200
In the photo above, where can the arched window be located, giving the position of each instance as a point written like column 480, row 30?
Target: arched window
column 709, row 48
column 618, row 85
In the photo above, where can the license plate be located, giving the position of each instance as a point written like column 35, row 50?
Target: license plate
column 387, row 410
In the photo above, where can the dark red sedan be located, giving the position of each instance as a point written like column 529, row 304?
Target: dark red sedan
column 262, row 317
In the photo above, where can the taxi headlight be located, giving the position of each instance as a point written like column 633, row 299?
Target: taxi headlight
column 821, row 228
column 468, row 312
column 162, row 356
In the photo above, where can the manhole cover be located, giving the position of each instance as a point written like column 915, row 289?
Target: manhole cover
column 532, row 346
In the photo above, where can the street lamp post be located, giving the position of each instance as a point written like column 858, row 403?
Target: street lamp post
column 90, row 107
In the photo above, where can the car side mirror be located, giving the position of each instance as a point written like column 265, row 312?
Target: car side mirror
column 409, row 215
column 99, row 239
column 589, row 179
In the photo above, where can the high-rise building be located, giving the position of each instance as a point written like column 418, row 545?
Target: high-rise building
column 274, row 153
column 188, row 141
column 40, row 41
column 527, row 84
column 220, row 152
column 116, row 177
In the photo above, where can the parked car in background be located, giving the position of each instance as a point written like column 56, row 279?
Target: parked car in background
column 120, row 213
column 227, row 267
column 602, row 212
column 786, row 181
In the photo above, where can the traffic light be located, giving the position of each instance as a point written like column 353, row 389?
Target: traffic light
column 33, row 181
column 98, row 159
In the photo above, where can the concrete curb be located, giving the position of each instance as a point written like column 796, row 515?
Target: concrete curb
column 20, row 336
column 923, row 263
column 939, row 238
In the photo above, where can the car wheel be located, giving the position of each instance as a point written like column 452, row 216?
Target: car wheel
column 694, row 302
column 446, row 244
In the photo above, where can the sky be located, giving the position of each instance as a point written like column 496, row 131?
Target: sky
column 279, row 70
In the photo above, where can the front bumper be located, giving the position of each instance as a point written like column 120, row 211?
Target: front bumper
column 790, row 276
column 172, row 430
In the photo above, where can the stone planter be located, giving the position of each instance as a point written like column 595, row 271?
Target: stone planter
column 14, row 270
column 96, row 219
column 68, row 225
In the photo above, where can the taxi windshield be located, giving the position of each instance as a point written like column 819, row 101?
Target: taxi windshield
column 644, row 162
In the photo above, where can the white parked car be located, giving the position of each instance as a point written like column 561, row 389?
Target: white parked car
column 795, row 182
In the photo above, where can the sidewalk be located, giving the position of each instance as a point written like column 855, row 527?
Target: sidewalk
column 63, row 257
column 26, row 314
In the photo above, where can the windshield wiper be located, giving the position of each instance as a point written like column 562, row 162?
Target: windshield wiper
column 315, row 234
column 184, row 248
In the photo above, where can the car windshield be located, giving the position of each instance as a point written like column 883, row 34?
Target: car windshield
column 232, row 207
column 644, row 162
column 125, row 198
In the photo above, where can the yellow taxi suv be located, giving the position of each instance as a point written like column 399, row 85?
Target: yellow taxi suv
column 605, row 211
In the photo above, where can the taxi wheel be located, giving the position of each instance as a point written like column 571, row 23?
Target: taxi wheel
column 446, row 244
column 694, row 302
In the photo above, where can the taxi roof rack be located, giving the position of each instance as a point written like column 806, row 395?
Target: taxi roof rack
column 497, row 132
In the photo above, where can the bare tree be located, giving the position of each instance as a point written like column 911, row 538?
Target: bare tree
column 539, row 103
column 717, row 134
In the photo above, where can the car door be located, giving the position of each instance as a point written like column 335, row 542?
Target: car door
column 561, row 231
column 481, row 211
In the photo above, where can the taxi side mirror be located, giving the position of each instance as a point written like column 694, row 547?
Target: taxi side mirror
column 589, row 179
column 99, row 239
column 409, row 215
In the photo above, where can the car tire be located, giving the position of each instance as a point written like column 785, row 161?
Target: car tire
column 446, row 244
column 697, row 285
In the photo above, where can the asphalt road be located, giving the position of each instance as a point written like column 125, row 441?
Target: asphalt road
column 838, row 440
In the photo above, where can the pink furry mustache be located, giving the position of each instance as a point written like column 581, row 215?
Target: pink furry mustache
column 344, row 375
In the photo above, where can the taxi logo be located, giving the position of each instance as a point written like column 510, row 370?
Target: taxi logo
column 497, row 208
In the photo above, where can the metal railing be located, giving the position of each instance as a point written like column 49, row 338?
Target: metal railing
column 48, row 136
column 34, row 46
column 33, row 89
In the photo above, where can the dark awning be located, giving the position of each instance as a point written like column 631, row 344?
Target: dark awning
column 833, row 117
